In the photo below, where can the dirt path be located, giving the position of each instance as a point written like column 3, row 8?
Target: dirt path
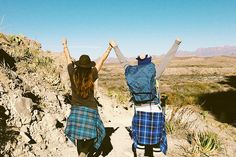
column 114, row 116
column 117, row 117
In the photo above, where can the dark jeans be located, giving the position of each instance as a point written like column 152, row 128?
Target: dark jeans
column 84, row 146
column 148, row 150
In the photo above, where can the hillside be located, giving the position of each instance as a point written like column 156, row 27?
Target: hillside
column 35, row 103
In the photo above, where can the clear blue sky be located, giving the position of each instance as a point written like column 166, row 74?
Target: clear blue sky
column 138, row 25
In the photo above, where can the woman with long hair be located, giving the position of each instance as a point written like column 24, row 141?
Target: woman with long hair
column 84, row 125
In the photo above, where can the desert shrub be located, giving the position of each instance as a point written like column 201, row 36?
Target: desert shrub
column 120, row 94
column 188, row 93
column 16, row 39
column 115, row 85
column 43, row 61
column 208, row 141
column 204, row 114
column 203, row 143
column 37, row 64
column 22, row 48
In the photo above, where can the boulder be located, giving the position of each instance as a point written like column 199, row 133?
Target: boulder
column 24, row 107
column 51, row 97
column 38, row 138
column 49, row 122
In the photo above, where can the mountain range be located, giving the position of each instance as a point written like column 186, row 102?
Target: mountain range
column 209, row 52
column 200, row 52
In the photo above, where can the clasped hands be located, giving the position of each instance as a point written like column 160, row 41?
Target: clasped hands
column 113, row 43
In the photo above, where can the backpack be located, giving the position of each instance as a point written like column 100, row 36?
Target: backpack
column 141, row 82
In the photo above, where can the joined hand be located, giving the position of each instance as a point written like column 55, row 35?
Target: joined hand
column 178, row 40
column 64, row 42
column 113, row 44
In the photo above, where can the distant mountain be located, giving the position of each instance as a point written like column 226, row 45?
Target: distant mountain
column 200, row 52
column 210, row 52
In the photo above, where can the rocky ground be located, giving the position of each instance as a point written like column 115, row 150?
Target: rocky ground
column 35, row 103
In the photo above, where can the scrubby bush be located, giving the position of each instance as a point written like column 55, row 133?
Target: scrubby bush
column 203, row 143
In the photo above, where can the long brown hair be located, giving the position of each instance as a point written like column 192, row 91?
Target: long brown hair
column 83, row 80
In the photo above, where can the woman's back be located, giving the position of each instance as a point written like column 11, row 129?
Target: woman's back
column 77, row 99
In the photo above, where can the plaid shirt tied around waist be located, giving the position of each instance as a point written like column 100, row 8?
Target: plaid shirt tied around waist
column 148, row 128
column 85, row 123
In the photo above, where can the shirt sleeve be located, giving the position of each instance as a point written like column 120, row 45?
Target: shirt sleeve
column 166, row 60
column 121, row 57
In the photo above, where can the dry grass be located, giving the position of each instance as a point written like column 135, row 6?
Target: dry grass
column 187, row 93
column 183, row 82
column 175, row 128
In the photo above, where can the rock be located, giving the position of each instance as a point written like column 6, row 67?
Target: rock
column 24, row 128
column 1, row 89
column 36, row 115
column 18, row 123
column 43, row 146
column 6, row 155
column 60, row 98
column 18, row 92
column 7, row 113
column 36, row 128
column 60, row 117
column 38, row 138
column 51, row 97
column 23, row 107
column 55, row 137
column 39, row 117
column 8, row 146
column 30, row 154
column 36, row 90
column 25, row 137
column 62, row 139
column 28, row 147
column 17, row 152
column 49, row 121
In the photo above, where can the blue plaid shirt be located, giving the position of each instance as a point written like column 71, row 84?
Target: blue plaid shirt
column 85, row 123
column 148, row 128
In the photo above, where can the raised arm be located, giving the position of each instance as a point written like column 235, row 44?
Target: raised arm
column 167, row 58
column 66, row 51
column 101, row 61
column 119, row 55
